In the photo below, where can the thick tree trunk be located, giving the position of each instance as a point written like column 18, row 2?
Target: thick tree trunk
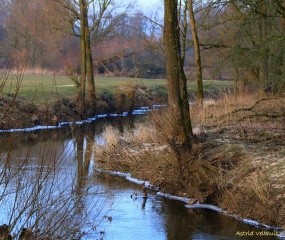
column 198, row 64
column 176, row 79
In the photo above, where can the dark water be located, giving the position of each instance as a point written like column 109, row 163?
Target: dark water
column 106, row 207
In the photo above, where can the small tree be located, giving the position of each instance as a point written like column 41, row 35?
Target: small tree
column 197, row 54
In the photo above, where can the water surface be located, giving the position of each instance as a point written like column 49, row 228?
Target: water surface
column 55, row 168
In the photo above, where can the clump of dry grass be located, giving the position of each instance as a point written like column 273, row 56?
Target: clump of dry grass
column 149, row 154
column 111, row 136
column 129, row 151
column 251, row 197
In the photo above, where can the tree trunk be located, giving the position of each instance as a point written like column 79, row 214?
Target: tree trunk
column 280, row 87
column 176, row 79
column 83, row 55
column 198, row 64
column 89, row 65
column 263, row 65
column 183, row 28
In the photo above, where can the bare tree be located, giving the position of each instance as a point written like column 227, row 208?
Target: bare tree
column 198, row 63
column 90, row 21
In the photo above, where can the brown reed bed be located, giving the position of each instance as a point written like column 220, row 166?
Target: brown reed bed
column 237, row 160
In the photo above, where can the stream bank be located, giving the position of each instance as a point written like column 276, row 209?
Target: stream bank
column 112, row 213
column 237, row 163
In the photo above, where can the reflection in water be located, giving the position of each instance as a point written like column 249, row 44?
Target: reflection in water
column 144, row 202
column 200, row 224
column 48, row 184
column 44, row 184
column 139, row 218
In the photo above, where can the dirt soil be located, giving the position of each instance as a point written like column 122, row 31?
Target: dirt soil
column 15, row 112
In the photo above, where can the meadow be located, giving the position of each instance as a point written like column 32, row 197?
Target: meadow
column 46, row 89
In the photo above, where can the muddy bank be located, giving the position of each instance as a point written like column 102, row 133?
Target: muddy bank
column 17, row 113
column 237, row 162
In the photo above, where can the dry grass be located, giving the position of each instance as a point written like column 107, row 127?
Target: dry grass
column 35, row 71
column 238, row 162
column 246, row 117
column 254, row 130
column 252, row 198
column 137, row 160
column 150, row 145
column 216, row 110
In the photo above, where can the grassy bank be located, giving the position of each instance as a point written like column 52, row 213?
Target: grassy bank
column 43, row 99
column 42, row 89
column 237, row 162
column 46, row 89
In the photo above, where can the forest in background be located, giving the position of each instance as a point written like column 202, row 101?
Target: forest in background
column 240, row 40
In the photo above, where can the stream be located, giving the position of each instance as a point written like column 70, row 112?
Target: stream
column 48, row 179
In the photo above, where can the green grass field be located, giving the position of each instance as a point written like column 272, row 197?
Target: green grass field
column 46, row 89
